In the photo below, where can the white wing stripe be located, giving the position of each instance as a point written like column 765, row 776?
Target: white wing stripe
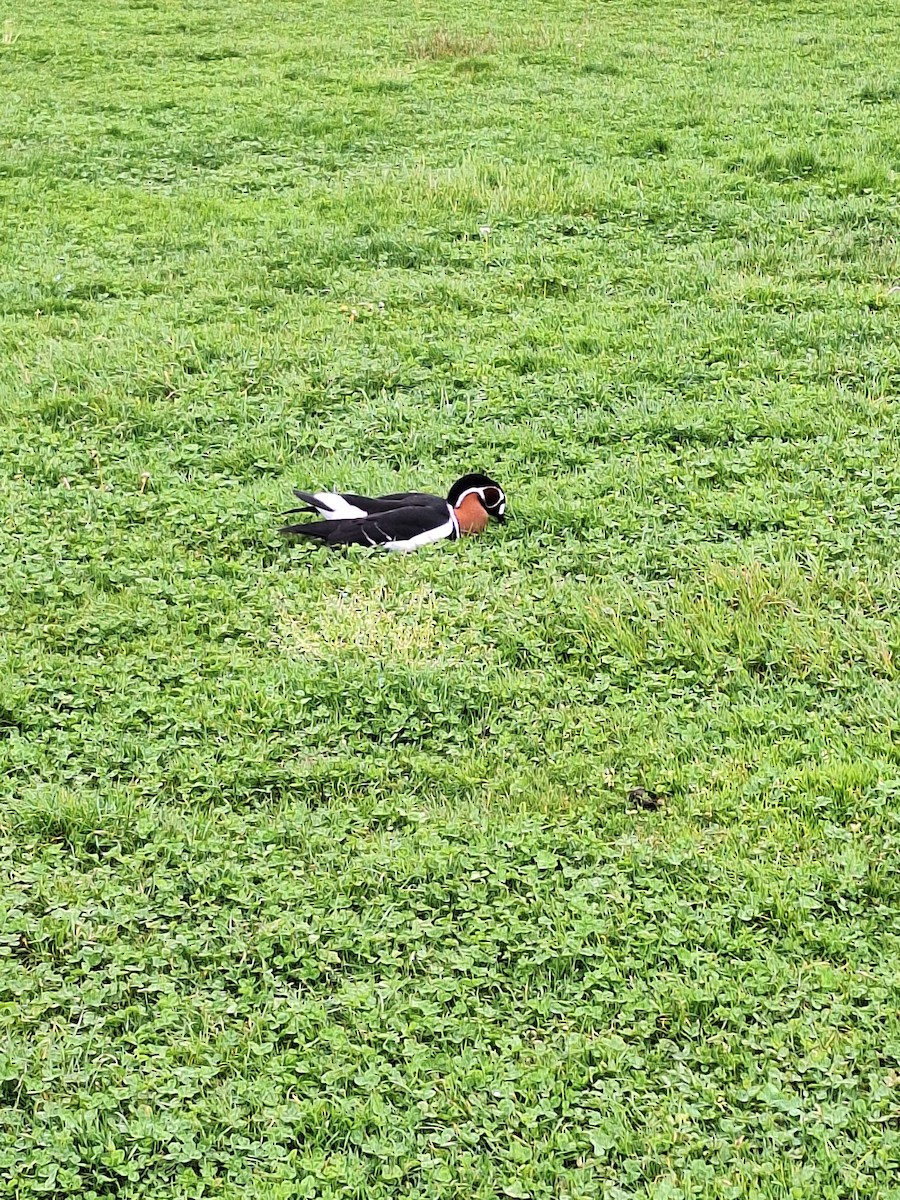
column 336, row 508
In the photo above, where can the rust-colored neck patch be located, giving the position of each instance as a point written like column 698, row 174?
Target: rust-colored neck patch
column 471, row 515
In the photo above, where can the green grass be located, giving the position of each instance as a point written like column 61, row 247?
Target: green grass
column 321, row 876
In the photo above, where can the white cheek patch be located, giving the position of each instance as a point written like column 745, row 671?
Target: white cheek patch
column 498, row 506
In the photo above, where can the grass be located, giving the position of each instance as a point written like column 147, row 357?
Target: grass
column 322, row 877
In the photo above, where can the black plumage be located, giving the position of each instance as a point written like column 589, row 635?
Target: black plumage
column 403, row 528
column 373, row 505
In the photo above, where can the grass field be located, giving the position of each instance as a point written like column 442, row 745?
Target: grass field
column 321, row 875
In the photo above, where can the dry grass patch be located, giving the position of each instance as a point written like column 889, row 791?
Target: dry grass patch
column 444, row 43
column 380, row 625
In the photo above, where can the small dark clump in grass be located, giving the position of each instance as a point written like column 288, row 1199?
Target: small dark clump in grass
column 656, row 146
column 474, row 67
column 600, row 68
column 879, row 93
column 798, row 162
column 645, row 798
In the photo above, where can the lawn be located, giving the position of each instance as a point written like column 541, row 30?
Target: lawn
column 322, row 873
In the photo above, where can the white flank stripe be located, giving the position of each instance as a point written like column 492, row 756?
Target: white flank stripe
column 450, row 528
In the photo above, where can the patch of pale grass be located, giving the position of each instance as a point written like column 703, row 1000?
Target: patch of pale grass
column 444, row 43
column 378, row 625
column 10, row 33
